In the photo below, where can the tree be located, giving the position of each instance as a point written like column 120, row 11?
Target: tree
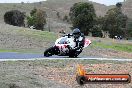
column 97, row 27
column 32, row 13
column 118, row 5
column 40, row 19
column 40, row 3
column 96, row 31
column 30, row 21
column 22, row 3
column 82, row 16
column 58, row 14
column 115, row 22
column 14, row 17
column 129, row 29
column 37, row 19
column 65, row 18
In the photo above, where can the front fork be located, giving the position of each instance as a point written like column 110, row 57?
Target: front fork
column 56, row 50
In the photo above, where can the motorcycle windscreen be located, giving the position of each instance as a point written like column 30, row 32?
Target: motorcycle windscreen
column 87, row 43
column 63, row 41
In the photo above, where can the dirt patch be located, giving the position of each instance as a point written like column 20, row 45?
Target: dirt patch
column 13, row 86
column 106, row 53
column 67, row 74
column 22, row 75
column 58, row 73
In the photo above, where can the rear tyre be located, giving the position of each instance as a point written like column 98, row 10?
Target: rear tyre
column 74, row 53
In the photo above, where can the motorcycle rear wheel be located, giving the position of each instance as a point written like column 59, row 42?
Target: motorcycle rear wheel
column 74, row 53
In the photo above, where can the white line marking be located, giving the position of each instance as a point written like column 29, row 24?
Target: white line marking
column 68, row 59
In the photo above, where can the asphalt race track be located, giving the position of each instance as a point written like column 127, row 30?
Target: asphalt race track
column 14, row 55
column 4, row 56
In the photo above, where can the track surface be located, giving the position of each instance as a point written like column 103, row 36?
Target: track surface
column 14, row 55
column 4, row 56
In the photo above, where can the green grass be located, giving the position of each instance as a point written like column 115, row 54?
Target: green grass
column 114, row 46
column 48, row 36
column 20, row 51
column 4, row 50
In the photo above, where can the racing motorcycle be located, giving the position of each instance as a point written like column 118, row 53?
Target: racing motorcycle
column 63, row 46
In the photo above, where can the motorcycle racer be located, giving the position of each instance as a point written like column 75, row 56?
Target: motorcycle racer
column 79, row 39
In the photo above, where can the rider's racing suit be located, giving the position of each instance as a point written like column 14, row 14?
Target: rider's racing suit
column 79, row 43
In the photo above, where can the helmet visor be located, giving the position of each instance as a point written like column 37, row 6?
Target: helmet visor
column 76, row 35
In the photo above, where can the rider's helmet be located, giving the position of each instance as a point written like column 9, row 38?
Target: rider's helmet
column 76, row 33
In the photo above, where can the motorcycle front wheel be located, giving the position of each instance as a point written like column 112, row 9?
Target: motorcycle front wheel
column 51, row 51
column 48, row 52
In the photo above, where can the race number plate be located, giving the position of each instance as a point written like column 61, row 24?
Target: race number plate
column 87, row 42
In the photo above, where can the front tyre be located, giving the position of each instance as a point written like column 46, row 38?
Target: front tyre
column 48, row 52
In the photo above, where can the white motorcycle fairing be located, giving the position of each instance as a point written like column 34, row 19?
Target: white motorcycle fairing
column 63, row 42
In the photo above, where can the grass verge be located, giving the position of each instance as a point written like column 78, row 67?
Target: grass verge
column 21, row 51
column 48, row 36
column 114, row 46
